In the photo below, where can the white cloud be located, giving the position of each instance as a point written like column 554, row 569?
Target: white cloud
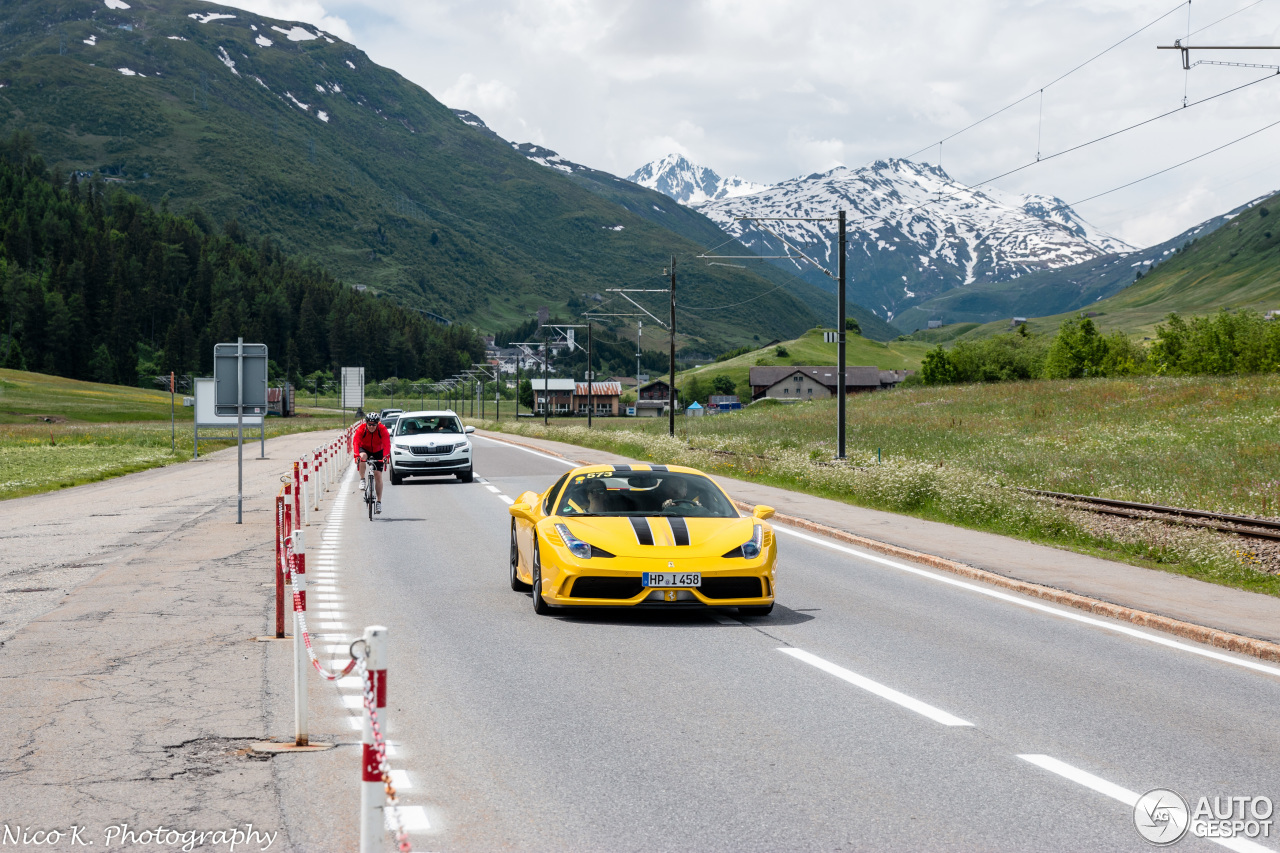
column 479, row 96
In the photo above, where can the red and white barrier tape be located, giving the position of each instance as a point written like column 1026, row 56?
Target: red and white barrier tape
column 300, row 608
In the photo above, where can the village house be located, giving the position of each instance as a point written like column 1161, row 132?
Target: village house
column 604, row 398
column 652, row 397
column 560, row 392
column 794, row 382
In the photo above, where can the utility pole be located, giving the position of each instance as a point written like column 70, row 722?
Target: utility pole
column 795, row 254
column 591, row 402
column 840, row 314
column 671, row 393
column 546, row 394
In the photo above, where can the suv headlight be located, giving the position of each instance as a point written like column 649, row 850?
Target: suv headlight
column 751, row 548
column 576, row 546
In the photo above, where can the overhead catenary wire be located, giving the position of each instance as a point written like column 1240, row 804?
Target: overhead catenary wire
column 1174, row 166
column 1041, row 89
column 1086, row 144
column 1224, row 17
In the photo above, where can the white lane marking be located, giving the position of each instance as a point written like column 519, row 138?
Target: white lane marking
column 412, row 818
column 935, row 714
column 1124, row 795
column 1035, row 605
column 1080, row 777
column 507, row 499
column 493, row 489
column 350, row 682
column 356, row 723
column 527, row 450
column 338, row 649
column 400, row 778
column 332, row 626
column 353, row 701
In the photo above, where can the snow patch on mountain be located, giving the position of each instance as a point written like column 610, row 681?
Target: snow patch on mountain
column 538, row 154
column 950, row 234
column 689, row 183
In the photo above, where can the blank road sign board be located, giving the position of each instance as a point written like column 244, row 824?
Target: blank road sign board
column 228, row 396
column 352, row 387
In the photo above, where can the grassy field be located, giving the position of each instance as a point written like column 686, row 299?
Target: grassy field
column 56, row 433
column 810, row 349
column 957, row 454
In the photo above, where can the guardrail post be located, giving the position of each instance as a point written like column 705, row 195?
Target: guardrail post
column 316, row 464
column 280, row 533
column 372, row 796
column 300, row 660
column 305, row 516
column 297, row 497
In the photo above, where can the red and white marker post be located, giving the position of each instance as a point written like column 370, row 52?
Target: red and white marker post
column 301, row 661
column 372, row 791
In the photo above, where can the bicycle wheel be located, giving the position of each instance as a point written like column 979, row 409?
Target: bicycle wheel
column 369, row 493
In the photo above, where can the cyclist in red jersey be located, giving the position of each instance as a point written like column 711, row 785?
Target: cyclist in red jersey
column 371, row 441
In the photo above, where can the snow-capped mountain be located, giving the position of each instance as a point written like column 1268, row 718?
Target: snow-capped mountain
column 913, row 232
column 689, row 183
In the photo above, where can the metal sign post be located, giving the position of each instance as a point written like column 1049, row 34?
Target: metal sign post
column 240, row 388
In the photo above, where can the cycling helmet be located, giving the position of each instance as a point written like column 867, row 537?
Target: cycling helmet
column 372, row 419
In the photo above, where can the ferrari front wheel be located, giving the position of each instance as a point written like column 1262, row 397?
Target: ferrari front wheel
column 516, row 584
column 540, row 606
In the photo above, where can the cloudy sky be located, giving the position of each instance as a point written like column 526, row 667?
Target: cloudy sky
column 772, row 89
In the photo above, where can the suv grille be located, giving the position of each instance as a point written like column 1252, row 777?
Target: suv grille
column 423, row 450
column 731, row 587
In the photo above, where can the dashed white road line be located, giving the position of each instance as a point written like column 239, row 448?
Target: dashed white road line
column 875, row 687
column 1124, row 795
column 412, row 818
column 1035, row 605
column 567, row 463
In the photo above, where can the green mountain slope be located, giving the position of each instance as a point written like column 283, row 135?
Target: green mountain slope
column 340, row 160
column 1056, row 291
column 1236, row 266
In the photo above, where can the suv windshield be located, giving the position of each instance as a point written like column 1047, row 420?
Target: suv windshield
column 645, row 493
column 422, row 424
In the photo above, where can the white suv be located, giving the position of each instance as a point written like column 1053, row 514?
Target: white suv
column 430, row 444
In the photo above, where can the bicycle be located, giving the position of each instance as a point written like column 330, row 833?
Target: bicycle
column 370, row 487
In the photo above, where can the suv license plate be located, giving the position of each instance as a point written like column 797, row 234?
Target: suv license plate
column 671, row 579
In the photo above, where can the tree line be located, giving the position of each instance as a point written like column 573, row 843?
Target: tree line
column 1223, row 343
column 96, row 284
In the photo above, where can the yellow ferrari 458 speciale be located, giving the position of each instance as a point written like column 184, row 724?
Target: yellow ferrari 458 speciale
column 648, row 535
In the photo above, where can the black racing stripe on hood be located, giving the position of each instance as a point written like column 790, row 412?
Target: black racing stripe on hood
column 658, row 468
column 644, row 533
column 623, row 468
column 680, row 530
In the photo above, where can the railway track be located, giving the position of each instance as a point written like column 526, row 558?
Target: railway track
column 1241, row 525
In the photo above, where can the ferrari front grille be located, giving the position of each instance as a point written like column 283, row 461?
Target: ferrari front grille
column 731, row 587
column 593, row 587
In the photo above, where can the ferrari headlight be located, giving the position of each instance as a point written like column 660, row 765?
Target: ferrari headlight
column 751, row 548
column 576, row 546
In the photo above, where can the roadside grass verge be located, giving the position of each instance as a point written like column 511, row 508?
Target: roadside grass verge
column 96, row 432
column 957, row 455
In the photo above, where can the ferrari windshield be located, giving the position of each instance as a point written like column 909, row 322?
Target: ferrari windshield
column 644, row 493
column 424, row 424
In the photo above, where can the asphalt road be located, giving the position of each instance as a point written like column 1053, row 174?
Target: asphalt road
column 882, row 706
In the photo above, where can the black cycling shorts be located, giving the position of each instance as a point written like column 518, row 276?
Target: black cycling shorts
column 375, row 455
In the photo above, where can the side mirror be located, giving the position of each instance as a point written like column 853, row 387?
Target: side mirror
column 467, row 429
column 763, row 512
column 520, row 511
